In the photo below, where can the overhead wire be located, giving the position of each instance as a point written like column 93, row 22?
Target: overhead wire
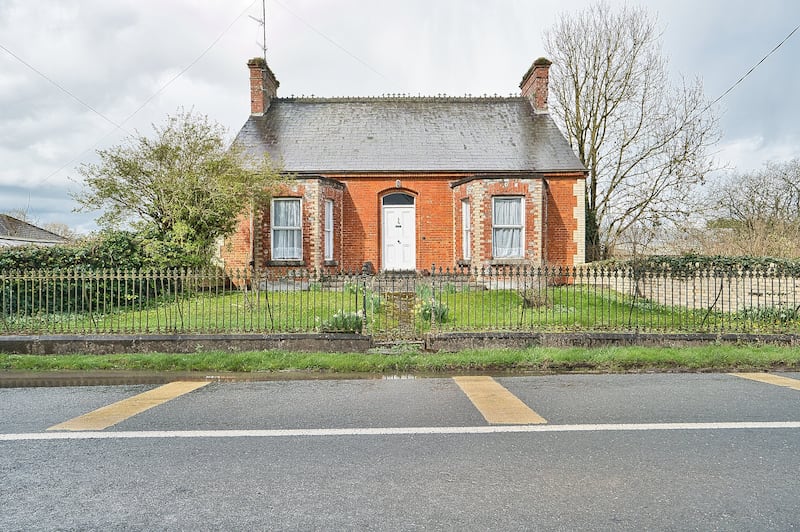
column 183, row 71
column 310, row 26
column 746, row 74
column 60, row 87
column 194, row 62
column 119, row 126
column 329, row 39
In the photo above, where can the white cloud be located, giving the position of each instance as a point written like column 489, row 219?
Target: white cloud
column 114, row 55
column 750, row 153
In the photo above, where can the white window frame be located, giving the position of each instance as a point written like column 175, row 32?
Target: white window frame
column 328, row 230
column 274, row 228
column 520, row 252
column 466, row 230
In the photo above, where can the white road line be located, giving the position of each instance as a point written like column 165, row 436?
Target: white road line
column 395, row 431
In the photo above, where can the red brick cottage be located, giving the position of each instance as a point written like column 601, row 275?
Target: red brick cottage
column 407, row 182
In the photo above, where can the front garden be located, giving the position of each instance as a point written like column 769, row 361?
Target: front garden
column 617, row 298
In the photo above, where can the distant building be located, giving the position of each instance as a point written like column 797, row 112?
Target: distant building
column 14, row 232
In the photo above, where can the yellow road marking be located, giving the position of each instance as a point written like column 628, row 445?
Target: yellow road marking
column 104, row 417
column 496, row 403
column 771, row 379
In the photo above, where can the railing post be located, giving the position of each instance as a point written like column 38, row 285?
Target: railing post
column 364, row 321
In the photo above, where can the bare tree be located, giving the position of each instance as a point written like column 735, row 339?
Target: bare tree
column 758, row 212
column 643, row 139
column 23, row 215
column 61, row 229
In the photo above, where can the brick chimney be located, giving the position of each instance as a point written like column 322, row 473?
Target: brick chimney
column 534, row 84
column 263, row 86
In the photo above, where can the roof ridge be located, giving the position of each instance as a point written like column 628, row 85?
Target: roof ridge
column 467, row 98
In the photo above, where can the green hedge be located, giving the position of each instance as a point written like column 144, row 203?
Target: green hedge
column 67, row 275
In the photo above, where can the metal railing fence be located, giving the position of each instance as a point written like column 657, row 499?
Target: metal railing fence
column 398, row 305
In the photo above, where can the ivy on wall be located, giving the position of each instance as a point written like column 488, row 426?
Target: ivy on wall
column 717, row 264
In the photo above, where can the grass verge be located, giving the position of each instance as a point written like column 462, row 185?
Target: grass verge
column 608, row 359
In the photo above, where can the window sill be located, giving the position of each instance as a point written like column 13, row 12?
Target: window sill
column 330, row 263
column 510, row 261
column 294, row 263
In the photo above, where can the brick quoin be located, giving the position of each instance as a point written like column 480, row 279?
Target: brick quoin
column 480, row 193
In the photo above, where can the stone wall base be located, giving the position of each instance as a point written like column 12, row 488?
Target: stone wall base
column 354, row 343
column 452, row 342
column 181, row 343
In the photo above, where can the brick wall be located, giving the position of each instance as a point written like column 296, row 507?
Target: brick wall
column 362, row 223
column 335, row 193
column 305, row 190
column 564, row 224
column 234, row 252
column 358, row 220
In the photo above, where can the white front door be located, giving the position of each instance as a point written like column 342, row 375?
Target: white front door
column 399, row 238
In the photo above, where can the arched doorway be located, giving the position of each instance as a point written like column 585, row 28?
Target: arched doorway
column 399, row 232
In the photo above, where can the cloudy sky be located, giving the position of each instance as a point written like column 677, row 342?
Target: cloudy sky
column 72, row 72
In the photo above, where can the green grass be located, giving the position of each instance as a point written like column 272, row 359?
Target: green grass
column 234, row 311
column 586, row 308
column 610, row 359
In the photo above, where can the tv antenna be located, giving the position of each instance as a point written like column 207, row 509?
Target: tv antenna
column 263, row 22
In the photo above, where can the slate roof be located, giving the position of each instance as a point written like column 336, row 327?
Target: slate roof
column 330, row 135
column 14, row 232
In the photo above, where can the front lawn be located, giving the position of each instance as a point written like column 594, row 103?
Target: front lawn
column 402, row 313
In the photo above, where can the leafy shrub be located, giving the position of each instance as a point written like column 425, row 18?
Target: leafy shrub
column 424, row 291
column 374, row 301
column 779, row 314
column 533, row 298
column 351, row 287
column 350, row 322
column 433, row 310
column 315, row 286
column 449, row 288
column 81, row 291
column 121, row 250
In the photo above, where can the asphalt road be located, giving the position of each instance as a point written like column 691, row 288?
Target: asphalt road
column 618, row 452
